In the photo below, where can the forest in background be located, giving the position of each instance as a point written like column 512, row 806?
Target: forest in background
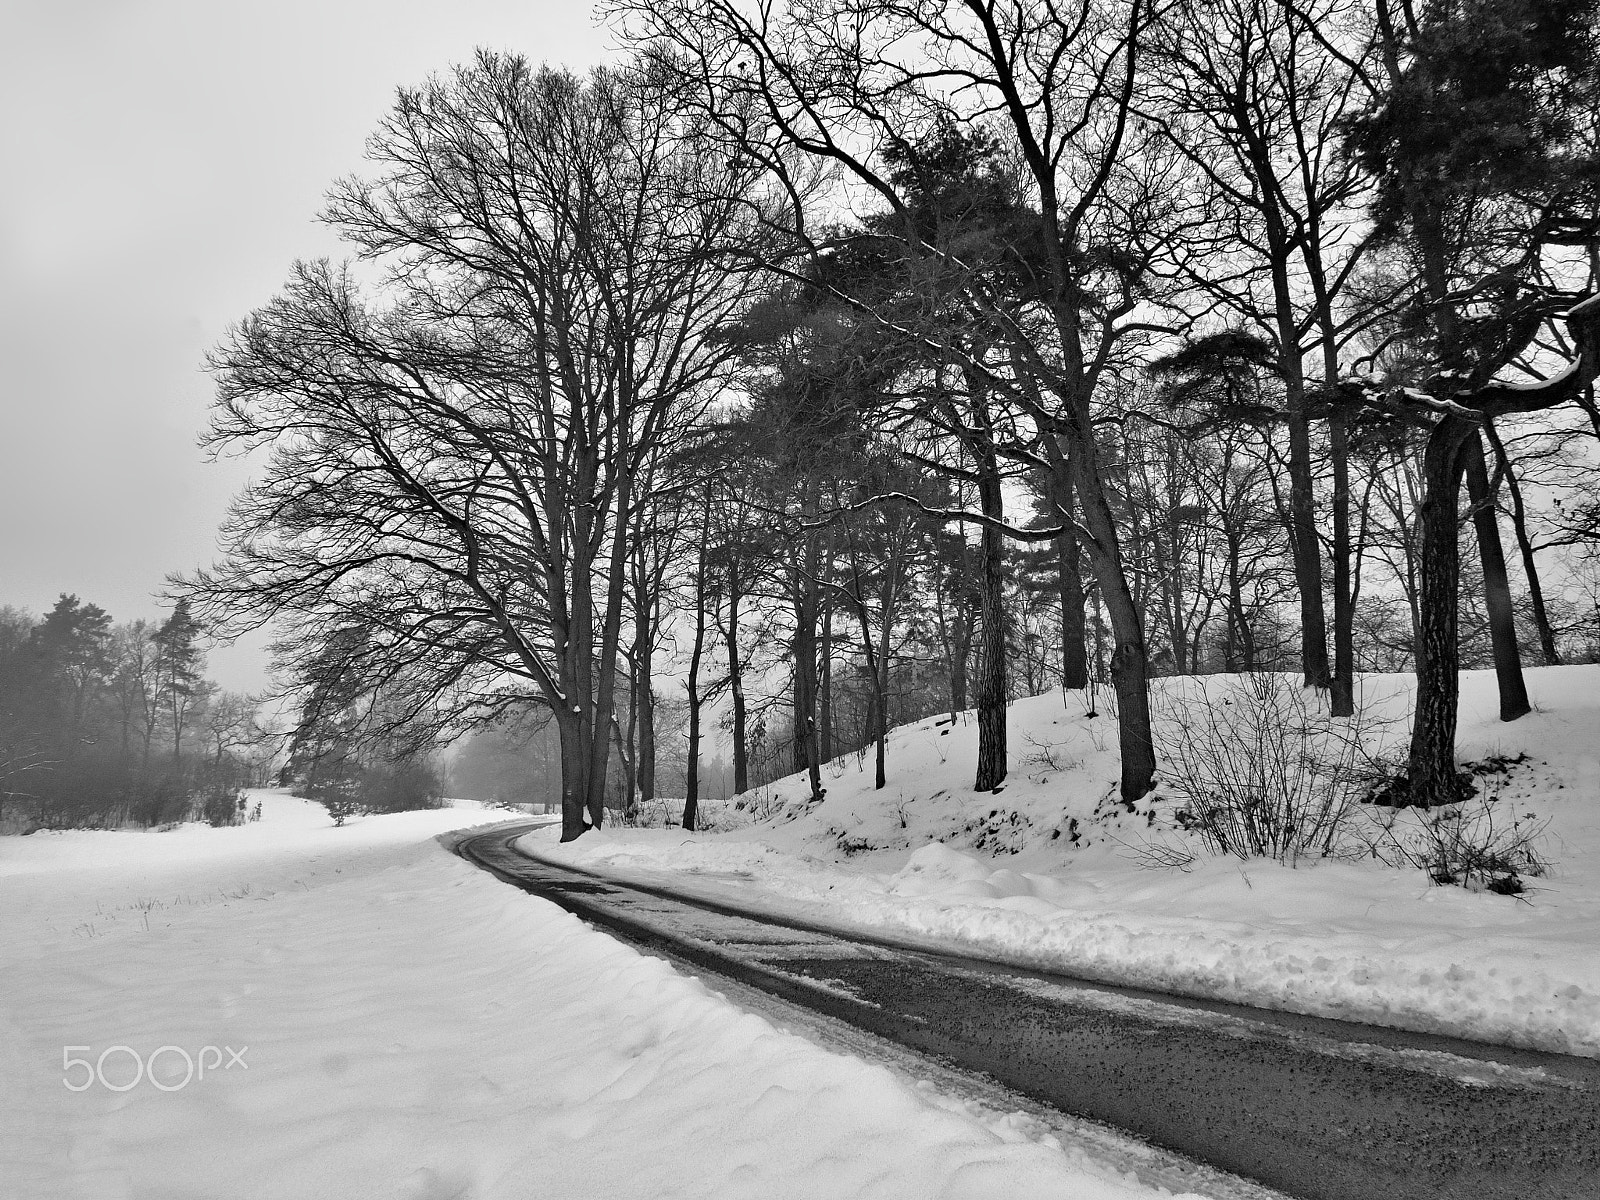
column 105, row 724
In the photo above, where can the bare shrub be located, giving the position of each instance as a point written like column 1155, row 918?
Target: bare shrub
column 1263, row 770
column 1049, row 755
column 1161, row 855
column 1480, row 844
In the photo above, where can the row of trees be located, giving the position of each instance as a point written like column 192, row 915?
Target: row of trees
column 103, row 724
column 898, row 355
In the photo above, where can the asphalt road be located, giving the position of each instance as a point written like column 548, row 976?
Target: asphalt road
column 1317, row 1109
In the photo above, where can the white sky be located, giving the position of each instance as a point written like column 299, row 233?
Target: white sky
column 161, row 164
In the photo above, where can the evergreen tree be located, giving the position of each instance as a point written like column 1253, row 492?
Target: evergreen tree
column 180, row 687
column 70, row 661
column 1484, row 162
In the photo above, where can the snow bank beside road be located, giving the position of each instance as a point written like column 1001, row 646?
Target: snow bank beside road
column 1045, row 874
column 413, row 1028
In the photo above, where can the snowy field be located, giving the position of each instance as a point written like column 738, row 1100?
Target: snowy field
column 1051, row 872
column 390, row 1022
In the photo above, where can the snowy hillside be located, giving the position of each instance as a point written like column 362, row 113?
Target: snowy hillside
column 391, row 1022
column 1052, row 871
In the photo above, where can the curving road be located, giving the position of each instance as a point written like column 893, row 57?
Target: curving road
column 1318, row 1109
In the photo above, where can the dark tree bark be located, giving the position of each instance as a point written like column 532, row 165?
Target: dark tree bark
column 646, row 752
column 639, row 769
column 1431, row 771
column 741, row 749
column 877, row 729
column 1074, row 641
column 628, row 748
column 991, row 771
column 653, row 547
column 991, row 681
column 877, row 552
column 1496, row 587
column 1239, row 651
column 805, row 590
column 1069, row 574
column 574, row 776
column 1530, row 564
column 1303, row 540
column 825, row 739
column 691, row 788
column 880, row 668
column 1343, row 689
column 958, row 667
column 1129, row 666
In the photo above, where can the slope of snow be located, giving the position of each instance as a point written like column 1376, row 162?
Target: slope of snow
column 1053, row 872
column 411, row 1028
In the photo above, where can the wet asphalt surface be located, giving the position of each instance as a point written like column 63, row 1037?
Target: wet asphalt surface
column 1317, row 1109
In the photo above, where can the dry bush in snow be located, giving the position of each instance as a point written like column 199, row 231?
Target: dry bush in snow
column 1262, row 769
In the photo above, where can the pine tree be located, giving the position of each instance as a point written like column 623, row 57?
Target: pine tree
column 70, row 652
column 179, row 663
column 1480, row 152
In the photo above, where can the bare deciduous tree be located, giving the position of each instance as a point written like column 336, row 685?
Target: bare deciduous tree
column 457, row 451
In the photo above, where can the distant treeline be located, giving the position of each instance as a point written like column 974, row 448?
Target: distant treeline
column 105, row 724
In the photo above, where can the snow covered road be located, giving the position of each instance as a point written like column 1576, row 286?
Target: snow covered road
column 1321, row 1109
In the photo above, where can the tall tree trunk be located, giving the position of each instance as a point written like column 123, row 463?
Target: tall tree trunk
column 958, row 664
column 876, row 720
column 1069, row 577
column 640, row 772
column 691, row 789
column 825, row 746
column 629, row 749
column 574, row 772
column 1129, row 665
column 1176, row 632
column 880, row 766
column 610, row 640
column 806, row 598
column 577, row 723
column 1530, row 565
column 1343, row 692
column 1302, row 513
column 647, row 731
column 1496, row 587
column 959, row 646
column 880, row 675
column 741, row 751
column 177, row 726
column 991, row 681
column 1431, row 771
column 991, row 770
column 1240, row 654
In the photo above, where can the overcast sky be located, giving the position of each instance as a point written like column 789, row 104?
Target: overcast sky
column 161, row 164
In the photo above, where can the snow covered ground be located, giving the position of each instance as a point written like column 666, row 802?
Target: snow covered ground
column 1052, row 872
column 390, row 1022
